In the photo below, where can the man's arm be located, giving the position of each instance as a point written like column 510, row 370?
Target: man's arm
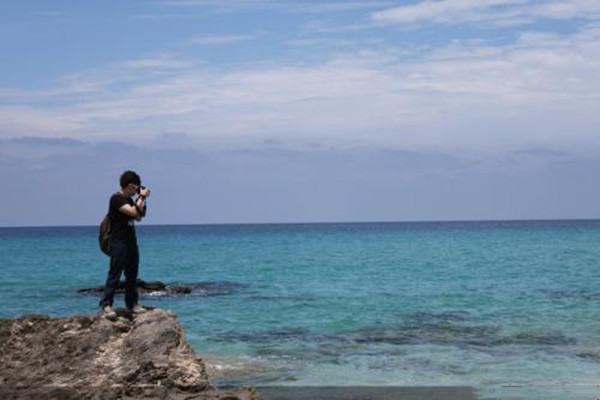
column 132, row 211
column 139, row 209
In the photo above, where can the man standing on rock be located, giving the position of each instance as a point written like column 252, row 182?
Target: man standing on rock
column 124, row 255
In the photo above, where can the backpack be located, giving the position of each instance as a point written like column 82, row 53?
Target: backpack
column 104, row 235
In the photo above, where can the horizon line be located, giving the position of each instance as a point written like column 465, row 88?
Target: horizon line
column 321, row 222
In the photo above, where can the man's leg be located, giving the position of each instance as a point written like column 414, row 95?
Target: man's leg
column 118, row 258
column 131, row 273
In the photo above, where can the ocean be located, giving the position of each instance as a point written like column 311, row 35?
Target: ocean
column 510, row 308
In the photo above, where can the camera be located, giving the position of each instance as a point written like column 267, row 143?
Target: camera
column 141, row 188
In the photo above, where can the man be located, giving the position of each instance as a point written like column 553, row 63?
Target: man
column 124, row 255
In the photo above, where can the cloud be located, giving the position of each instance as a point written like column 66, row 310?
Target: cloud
column 126, row 72
column 288, row 6
column 542, row 152
column 234, row 4
column 339, row 6
column 494, row 12
column 468, row 94
column 30, row 120
column 210, row 40
column 449, row 11
column 51, row 14
column 45, row 142
column 279, row 184
column 585, row 9
column 331, row 27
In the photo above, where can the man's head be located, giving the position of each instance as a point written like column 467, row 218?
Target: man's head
column 130, row 182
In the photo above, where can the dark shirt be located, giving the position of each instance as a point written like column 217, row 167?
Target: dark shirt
column 122, row 225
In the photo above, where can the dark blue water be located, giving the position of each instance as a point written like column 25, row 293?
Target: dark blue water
column 486, row 304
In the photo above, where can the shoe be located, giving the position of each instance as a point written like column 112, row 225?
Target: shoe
column 109, row 313
column 137, row 309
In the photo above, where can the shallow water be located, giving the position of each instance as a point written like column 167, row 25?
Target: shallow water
column 511, row 308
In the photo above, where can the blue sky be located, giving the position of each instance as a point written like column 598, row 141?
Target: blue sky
column 299, row 111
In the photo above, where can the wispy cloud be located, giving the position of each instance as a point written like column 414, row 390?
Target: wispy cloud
column 234, row 4
column 46, row 142
column 213, row 40
column 335, row 27
column 193, row 9
column 468, row 94
column 51, row 14
column 125, row 73
column 283, row 6
column 340, row 6
column 496, row 12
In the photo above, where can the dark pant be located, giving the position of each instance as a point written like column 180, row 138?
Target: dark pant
column 124, row 256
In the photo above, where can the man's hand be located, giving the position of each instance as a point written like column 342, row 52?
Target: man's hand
column 145, row 192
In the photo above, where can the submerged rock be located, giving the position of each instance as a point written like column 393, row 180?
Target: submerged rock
column 144, row 288
column 203, row 289
column 137, row 356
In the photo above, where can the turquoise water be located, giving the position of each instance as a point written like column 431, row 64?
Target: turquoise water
column 511, row 308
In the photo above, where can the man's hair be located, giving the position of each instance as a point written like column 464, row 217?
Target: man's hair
column 128, row 177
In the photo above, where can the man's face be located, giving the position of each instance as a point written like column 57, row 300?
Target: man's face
column 131, row 189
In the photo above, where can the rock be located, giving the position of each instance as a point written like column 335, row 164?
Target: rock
column 89, row 357
column 179, row 289
column 142, row 285
column 204, row 289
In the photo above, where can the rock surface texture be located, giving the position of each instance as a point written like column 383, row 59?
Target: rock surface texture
column 142, row 356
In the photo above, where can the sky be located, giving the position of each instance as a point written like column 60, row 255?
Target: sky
column 260, row 111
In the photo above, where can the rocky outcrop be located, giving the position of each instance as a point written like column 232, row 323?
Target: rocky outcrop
column 89, row 357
